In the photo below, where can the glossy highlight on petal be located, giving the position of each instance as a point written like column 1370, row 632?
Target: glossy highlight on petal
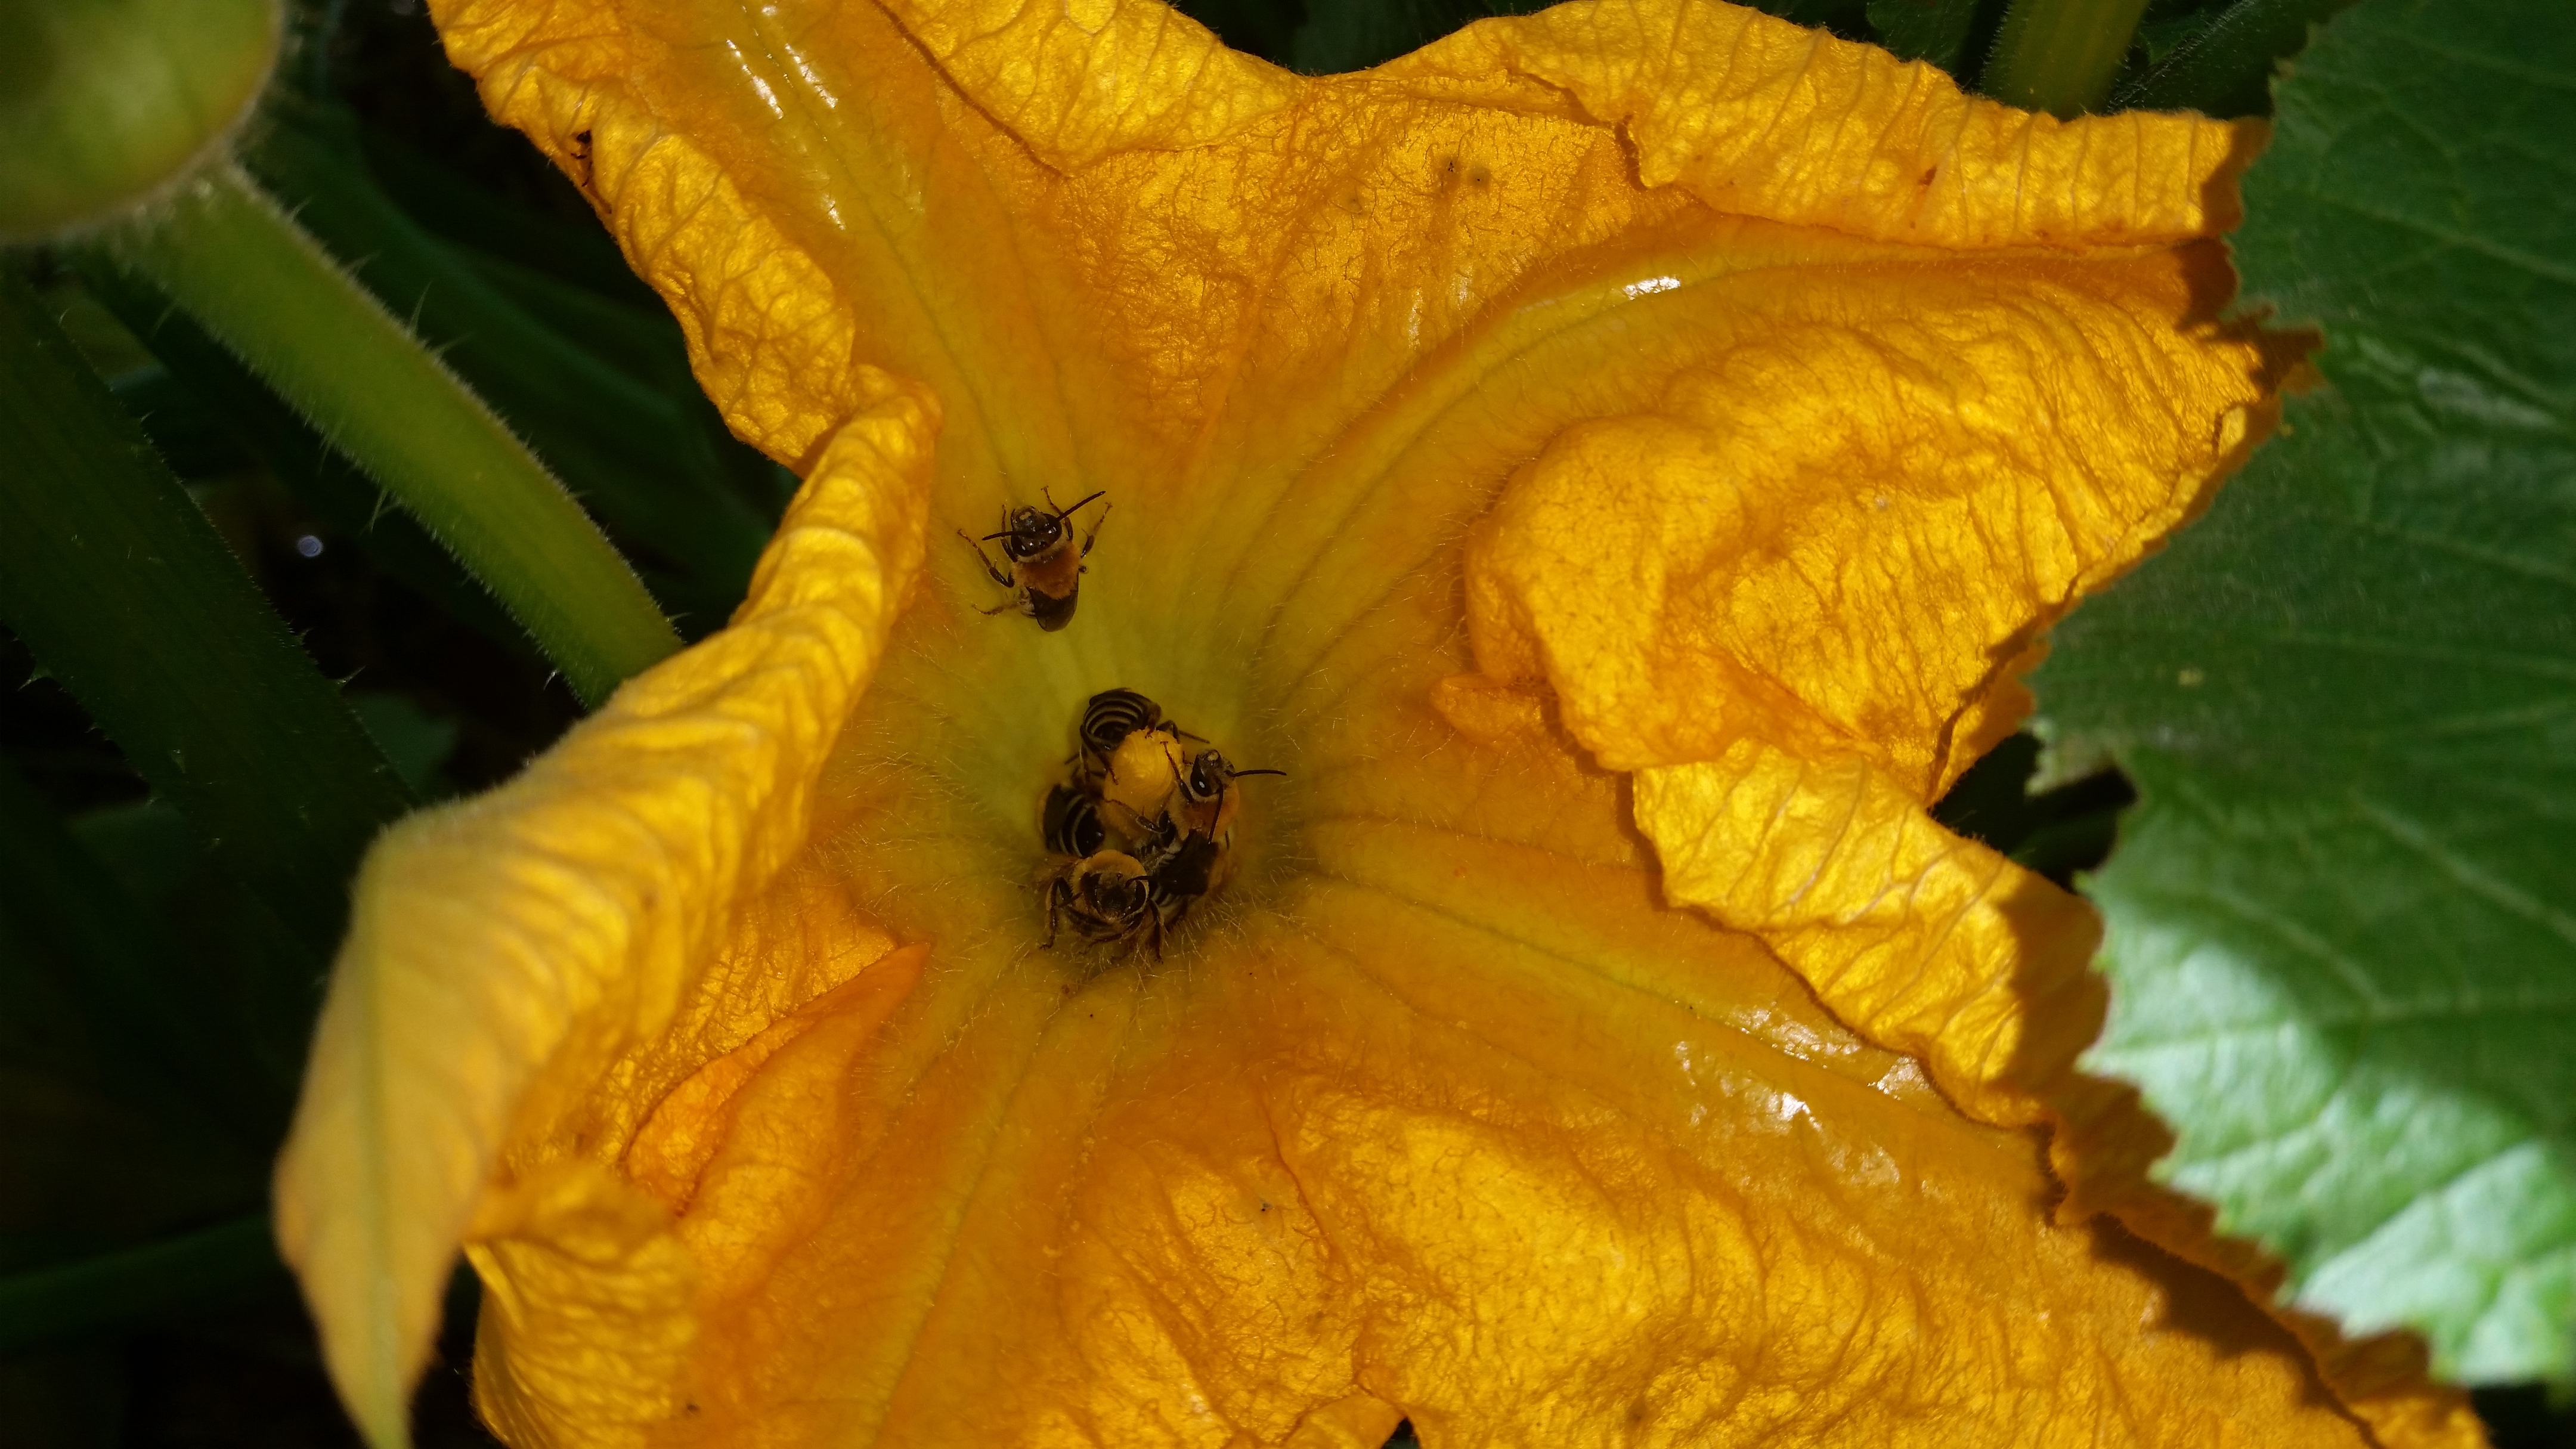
column 1613, row 461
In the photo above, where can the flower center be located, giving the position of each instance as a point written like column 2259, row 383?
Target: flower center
column 1077, row 793
column 1141, row 829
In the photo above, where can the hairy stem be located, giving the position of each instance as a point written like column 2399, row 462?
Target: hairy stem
column 2060, row 56
column 226, row 253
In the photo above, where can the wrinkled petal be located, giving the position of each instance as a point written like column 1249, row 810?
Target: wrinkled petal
column 1927, row 942
column 1839, row 533
column 723, row 1042
column 503, row 947
column 1944, row 949
column 1502, row 1146
column 1795, row 598
column 1763, row 119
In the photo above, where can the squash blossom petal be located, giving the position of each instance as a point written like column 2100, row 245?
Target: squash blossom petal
column 1615, row 461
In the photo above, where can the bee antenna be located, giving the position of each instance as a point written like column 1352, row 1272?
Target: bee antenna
column 1239, row 774
column 1077, row 508
column 1005, row 533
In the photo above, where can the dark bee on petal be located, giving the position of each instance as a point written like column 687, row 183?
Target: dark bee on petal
column 1045, row 577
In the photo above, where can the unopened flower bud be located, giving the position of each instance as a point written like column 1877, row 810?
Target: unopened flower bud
column 105, row 104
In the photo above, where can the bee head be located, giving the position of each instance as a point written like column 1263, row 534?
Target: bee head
column 1206, row 777
column 1031, row 532
column 1116, row 892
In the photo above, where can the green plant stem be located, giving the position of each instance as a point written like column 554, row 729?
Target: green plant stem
column 238, row 264
column 113, row 1290
column 322, row 480
column 2060, row 56
column 628, row 446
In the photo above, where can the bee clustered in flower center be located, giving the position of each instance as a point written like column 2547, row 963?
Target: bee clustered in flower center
column 1142, row 828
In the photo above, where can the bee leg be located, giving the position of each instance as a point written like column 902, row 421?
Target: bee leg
column 1095, row 528
column 1003, row 607
column 986, row 560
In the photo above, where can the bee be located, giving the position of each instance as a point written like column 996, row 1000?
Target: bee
column 1046, row 569
column 1107, row 898
column 1107, row 721
column 1142, row 830
column 1182, row 872
column 1070, row 824
column 1206, row 799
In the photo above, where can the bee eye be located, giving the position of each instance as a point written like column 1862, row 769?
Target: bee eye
column 1207, row 775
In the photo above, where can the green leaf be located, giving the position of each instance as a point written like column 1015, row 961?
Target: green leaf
column 2219, row 60
column 144, row 846
column 96, row 984
column 416, row 741
column 2343, row 918
column 436, row 194
column 1926, row 30
column 125, row 593
column 189, row 1273
column 1348, row 35
column 248, row 991
column 184, row 431
column 131, row 1100
column 1266, row 28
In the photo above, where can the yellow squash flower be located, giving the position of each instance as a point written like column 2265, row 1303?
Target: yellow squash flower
column 1615, row 461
